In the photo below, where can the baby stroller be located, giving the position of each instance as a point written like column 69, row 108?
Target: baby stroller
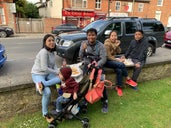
column 72, row 108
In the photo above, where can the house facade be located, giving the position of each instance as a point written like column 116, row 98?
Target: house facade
column 7, row 10
column 82, row 12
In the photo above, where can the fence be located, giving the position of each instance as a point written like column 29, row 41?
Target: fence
column 41, row 25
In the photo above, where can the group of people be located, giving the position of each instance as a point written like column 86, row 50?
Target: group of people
column 45, row 72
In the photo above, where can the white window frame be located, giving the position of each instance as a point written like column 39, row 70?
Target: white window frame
column 117, row 5
column 83, row 4
column 158, row 15
column 140, row 7
column 2, row 15
column 159, row 2
column 98, row 4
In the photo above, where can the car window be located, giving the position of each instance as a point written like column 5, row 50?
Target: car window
column 96, row 24
column 152, row 26
column 114, row 26
column 130, row 27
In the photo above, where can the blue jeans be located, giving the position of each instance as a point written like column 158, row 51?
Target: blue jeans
column 137, row 71
column 59, row 101
column 47, row 80
column 120, row 70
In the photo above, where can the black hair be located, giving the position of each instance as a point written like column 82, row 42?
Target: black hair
column 92, row 30
column 44, row 42
column 141, row 31
column 112, row 32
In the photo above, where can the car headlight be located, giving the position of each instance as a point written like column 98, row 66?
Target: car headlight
column 67, row 43
column 8, row 29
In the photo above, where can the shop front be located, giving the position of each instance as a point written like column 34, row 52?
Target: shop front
column 79, row 18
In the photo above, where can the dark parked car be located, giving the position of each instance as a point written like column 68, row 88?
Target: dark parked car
column 3, row 55
column 167, row 39
column 65, row 28
column 6, row 31
column 68, row 45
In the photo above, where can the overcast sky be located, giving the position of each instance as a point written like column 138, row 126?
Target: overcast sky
column 33, row 1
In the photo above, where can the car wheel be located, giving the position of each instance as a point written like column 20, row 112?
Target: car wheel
column 150, row 50
column 3, row 34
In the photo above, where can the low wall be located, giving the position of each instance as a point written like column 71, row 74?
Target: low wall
column 23, row 98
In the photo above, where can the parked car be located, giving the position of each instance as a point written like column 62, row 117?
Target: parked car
column 3, row 55
column 68, row 45
column 65, row 28
column 167, row 39
column 6, row 31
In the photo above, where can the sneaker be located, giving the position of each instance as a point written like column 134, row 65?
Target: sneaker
column 134, row 88
column 104, row 108
column 54, row 112
column 119, row 91
column 131, row 82
column 39, row 87
column 48, row 118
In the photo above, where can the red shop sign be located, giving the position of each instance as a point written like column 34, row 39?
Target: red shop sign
column 77, row 13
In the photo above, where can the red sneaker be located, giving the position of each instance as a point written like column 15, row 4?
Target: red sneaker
column 131, row 82
column 119, row 91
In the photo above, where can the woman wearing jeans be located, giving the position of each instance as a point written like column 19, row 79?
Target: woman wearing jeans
column 44, row 71
column 112, row 48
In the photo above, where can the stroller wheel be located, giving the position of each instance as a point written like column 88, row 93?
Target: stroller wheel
column 86, row 125
column 53, row 124
column 85, row 122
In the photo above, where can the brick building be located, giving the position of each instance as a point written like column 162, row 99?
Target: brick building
column 82, row 12
column 7, row 10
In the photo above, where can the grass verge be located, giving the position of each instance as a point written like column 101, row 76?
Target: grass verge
column 149, row 107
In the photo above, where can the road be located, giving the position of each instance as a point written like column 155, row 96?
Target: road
column 22, row 51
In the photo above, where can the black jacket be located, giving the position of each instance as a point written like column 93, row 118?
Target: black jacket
column 138, row 50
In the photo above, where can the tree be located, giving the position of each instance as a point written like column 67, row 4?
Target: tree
column 31, row 11
column 20, row 5
column 26, row 10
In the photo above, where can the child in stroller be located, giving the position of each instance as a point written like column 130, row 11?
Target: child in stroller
column 67, row 105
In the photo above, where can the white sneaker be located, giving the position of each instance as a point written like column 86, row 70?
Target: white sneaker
column 39, row 87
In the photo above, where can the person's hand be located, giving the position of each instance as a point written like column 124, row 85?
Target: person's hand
column 137, row 65
column 75, row 96
column 84, row 46
column 122, row 57
column 118, row 43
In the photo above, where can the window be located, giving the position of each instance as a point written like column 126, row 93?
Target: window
column 152, row 27
column 130, row 27
column 98, row 4
column 79, row 3
column 140, row 7
column 158, row 15
column 114, row 26
column 159, row 2
column 2, row 15
column 118, row 6
column 51, row 3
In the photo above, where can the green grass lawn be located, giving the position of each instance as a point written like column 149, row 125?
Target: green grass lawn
column 149, row 107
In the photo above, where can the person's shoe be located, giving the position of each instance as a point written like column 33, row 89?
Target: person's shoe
column 105, row 108
column 119, row 91
column 54, row 112
column 48, row 118
column 131, row 82
column 134, row 88
column 39, row 87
